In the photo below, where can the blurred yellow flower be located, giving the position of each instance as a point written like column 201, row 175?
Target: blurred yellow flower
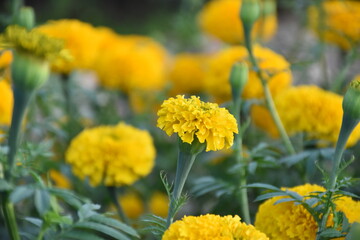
column 132, row 63
column 274, row 66
column 286, row 220
column 32, row 42
column 6, row 57
column 341, row 22
column 192, row 117
column 212, row 227
column 159, row 204
column 59, row 179
column 132, row 205
column 6, row 105
column 221, row 18
column 187, row 73
column 113, row 155
column 308, row 109
column 80, row 38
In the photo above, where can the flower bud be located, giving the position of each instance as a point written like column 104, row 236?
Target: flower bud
column 250, row 11
column 25, row 18
column 268, row 7
column 29, row 72
column 238, row 79
column 351, row 102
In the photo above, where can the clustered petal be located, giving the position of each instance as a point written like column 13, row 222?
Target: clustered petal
column 191, row 118
column 220, row 18
column 274, row 66
column 308, row 109
column 286, row 220
column 213, row 227
column 114, row 155
column 341, row 22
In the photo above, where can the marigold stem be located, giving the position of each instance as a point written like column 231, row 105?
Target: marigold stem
column 119, row 209
column 8, row 211
column 268, row 98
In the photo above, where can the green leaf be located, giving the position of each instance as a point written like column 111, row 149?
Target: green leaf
column 5, row 185
column 153, row 224
column 42, row 201
column 53, row 217
column 115, row 224
column 293, row 159
column 36, row 221
column 270, row 195
column 79, row 235
column 331, row 233
column 20, row 193
column 102, row 229
column 282, row 200
column 87, row 210
column 68, row 196
column 263, row 185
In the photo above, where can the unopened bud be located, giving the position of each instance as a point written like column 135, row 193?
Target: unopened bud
column 25, row 18
column 238, row 79
column 250, row 11
column 351, row 102
column 29, row 72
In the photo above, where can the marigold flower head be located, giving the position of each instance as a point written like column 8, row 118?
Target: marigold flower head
column 59, row 179
column 187, row 73
column 308, row 109
column 132, row 204
column 110, row 155
column 286, row 220
column 32, row 43
column 191, row 118
column 140, row 64
column 341, row 22
column 6, row 104
column 213, row 227
column 159, row 204
column 221, row 18
column 80, row 38
column 274, row 66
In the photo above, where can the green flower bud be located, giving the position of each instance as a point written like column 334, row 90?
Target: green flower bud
column 351, row 102
column 268, row 7
column 25, row 18
column 29, row 72
column 238, row 79
column 250, row 11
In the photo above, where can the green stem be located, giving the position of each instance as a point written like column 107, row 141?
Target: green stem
column 268, row 98
column 8, row 211
column 238, row 151
column 184, row 164
column 347, row 126
column 119, row 209
column 21, row 100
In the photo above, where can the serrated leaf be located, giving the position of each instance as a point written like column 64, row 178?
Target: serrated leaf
column 102, row 229
column 20, row 193
column 68, row 197
column 79, row 235
column 282, row 200
column 349, row 194
column 115, row 224
column 263, row 185
column 42, row 201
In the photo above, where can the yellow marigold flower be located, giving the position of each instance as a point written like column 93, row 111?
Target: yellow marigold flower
column 308, row 109
column 59, row 179
column 221, row 18
column 110, row 154
column 213, row 227
column 159, row 204
column 140, row 63
column 274, row 66
column 132, row 205
column 6, row 57
column 187, row 73
column 341, row 22
column 6, row 104
column 192, row 117
column 286, row 220
column 32, row 42
column 80, row 38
